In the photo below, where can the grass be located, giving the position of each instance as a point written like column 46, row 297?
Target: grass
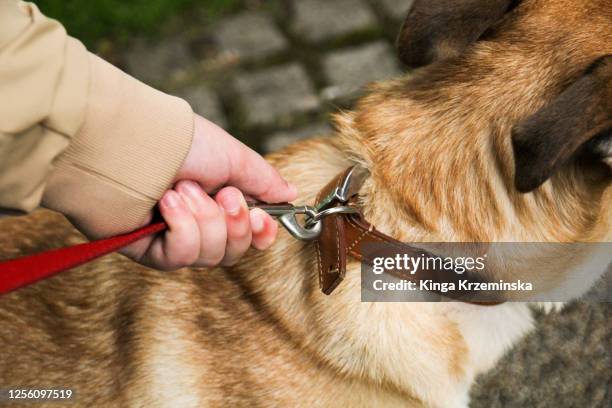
column 95, row 21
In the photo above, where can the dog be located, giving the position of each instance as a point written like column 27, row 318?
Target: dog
column 501, row 133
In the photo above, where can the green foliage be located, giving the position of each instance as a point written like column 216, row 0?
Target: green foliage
column 116, row 20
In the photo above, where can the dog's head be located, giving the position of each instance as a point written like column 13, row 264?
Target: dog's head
column 570, row 33
column 506, row 95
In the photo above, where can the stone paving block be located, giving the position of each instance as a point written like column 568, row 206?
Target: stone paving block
column 396, row 9
column 279, row 140
column 273, row 95
column 204, row 102
column 168, row 59
column 249, row 36
column 320, row 20
column 349, row 69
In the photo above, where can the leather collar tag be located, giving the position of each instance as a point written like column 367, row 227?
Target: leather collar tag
column 331, row 255
column 331, row 244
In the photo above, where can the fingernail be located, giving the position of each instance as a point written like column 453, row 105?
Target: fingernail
column 292, row 189
column 171, row 199
column 192, row 189
column 231, row 203
column 257, row 221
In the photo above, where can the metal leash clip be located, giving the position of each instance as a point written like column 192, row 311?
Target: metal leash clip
column 287, row 215
column 334, row 203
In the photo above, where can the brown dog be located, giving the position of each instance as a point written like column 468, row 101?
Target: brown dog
column 517, row 98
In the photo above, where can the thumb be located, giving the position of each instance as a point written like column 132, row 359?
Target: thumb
column 250, row 173
column 217, row 159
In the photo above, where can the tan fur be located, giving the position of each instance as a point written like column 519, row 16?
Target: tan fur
column 437, row 144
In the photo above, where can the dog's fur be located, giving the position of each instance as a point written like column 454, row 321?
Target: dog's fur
column 440, row 146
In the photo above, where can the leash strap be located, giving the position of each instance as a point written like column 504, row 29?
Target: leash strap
column 20, row 272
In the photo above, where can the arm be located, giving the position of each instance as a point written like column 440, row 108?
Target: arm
column 80, row 136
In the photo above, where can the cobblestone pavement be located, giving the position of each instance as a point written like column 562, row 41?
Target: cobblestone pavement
column 272, row 74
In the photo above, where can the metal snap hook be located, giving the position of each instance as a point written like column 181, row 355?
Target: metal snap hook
column 311, row 228
column 292, row 225
column 286, row 214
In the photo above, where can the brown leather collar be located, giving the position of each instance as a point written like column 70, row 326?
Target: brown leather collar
column 345, row 235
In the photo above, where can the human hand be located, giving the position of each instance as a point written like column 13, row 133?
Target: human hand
column 204, row 230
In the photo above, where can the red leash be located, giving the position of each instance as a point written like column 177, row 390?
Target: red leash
column 20, row 272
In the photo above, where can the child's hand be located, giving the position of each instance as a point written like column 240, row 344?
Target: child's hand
column 204, row 231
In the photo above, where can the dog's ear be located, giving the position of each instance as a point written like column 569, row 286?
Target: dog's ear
column 580, row 118
column 438, row 29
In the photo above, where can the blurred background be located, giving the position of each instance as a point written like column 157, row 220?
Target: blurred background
column 271, row 72
column 268, row 71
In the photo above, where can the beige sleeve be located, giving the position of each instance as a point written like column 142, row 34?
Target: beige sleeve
column 78, row 135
